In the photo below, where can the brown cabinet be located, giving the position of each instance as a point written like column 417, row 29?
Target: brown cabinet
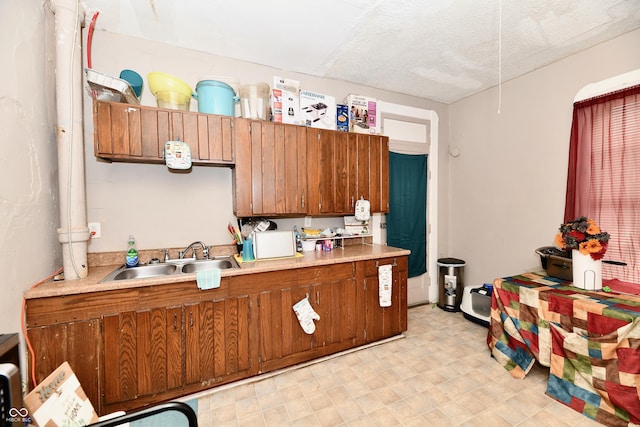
column 142, row 353
column 384, row 322
column 216, row 340
column 134, row 347
column 76, row 342
column 280, row 169
column 167, row 351
column 332, row 293
column 270, row 176
column 133, row 133
column 344, row 167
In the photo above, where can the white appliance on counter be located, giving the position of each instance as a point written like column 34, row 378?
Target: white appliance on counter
column 274, row 244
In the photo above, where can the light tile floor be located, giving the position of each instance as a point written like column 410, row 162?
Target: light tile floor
column 439, row 374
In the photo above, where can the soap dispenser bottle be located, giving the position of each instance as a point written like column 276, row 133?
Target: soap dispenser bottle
column 132, row 253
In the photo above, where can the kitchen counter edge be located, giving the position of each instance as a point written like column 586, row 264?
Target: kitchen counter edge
column 91, row 283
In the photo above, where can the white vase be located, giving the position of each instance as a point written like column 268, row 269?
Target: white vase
column 587, row 272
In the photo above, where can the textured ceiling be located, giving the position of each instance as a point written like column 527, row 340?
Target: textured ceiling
column 443, row 50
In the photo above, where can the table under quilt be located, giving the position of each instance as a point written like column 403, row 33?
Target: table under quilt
column 589, row 340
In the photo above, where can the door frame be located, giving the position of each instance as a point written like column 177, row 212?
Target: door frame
column 430, row 117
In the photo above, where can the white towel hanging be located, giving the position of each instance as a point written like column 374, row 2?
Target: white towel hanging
column 385, row 282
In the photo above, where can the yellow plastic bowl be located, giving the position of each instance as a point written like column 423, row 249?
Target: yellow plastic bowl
column 165, row 82
column 172, row 100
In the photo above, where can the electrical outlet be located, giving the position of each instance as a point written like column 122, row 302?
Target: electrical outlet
column 307, row 221
column 95, row 230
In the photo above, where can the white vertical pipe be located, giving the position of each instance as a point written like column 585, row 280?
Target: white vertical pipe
column 73, row 233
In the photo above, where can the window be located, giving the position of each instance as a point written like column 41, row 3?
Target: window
column 604, row 175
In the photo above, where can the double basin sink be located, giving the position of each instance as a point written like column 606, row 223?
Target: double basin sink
column 169, row 268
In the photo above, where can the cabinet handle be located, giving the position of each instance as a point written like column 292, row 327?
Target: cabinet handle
column 394, row 264
column 191, row 319
column 175, row 322
column 318, row 297
column 303, row 200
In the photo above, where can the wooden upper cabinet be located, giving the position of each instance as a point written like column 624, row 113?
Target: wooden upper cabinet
column 344, row 167
column 280, row 169
column 379, row 173
column 134, row 133
column 321, row 165
column 270, row 176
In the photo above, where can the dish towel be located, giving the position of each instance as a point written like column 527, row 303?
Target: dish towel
column 384, row 284
column 208, row 279
column 306, row 315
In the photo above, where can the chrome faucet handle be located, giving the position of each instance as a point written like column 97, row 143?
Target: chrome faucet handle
column 180, row 254
column 205, row 252
column 166, row 255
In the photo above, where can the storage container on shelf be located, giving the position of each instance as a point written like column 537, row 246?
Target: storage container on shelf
column 215, row 97
column 254, row 101
column 173, row 100
column 170, row 91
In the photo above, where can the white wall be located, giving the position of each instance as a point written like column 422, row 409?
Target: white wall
column 164, row 209
column 507, row 187
column 29, row 216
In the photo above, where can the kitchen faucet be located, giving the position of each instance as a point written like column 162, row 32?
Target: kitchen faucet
column 205, row 250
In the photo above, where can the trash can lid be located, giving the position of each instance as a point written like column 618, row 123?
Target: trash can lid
column 450, row 262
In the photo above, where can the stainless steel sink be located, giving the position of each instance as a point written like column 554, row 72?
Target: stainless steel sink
column 168, row 269
column 141, row 272
column 221, row 263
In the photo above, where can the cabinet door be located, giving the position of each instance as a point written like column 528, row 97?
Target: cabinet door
column 333, row 297
column 242, row 176
column 362, row 147
column 282, row 339
column 383, row 322
column 372, row 170
column 278, row 160
column 379, row 173
column 117, row 130
column 140, row 353
column 216, row 340
column 270, row 175
column 384, row 174
column 351, row 182
column 77, row 343
column 322, row 175
column 343, row 173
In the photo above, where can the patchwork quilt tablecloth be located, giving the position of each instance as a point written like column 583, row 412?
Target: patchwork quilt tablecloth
column 589, row 340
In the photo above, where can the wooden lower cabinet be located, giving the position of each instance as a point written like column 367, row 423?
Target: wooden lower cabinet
column 384, row 322
column 76, row 342
column 333, row 295
column 216, row 337
column 136, row 347
column 164, row 352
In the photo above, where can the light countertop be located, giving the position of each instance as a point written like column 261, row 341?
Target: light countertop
column 91, row 283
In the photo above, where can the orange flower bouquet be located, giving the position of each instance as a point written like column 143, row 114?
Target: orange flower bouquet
column 584, row 235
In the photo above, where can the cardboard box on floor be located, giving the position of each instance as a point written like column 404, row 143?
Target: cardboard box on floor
column 59, row 401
